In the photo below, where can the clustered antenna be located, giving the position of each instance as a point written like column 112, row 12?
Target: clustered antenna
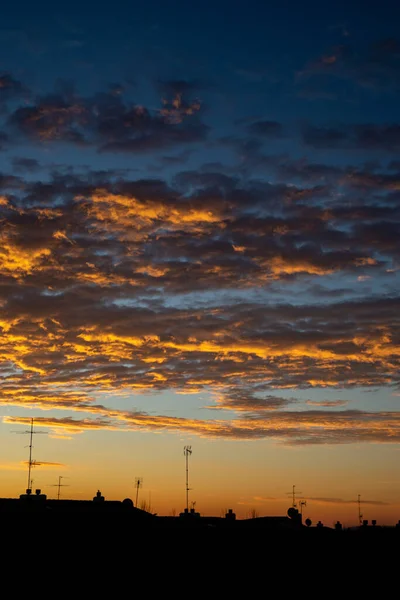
column 294, row 503
column 187, row 451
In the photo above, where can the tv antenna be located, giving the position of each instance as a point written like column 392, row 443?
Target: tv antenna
column 59, row 485
column 187, row 451
column 302, row 503
column 138, row 484
column 294, row 503
column 359, row 510
column 31, row 463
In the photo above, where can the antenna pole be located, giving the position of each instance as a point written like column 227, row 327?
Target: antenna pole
column 359, row 510
column 294, row 499
column 30, row 456
column 59, row 486
column 138, row 483
column 187, row 450
column 31, row 463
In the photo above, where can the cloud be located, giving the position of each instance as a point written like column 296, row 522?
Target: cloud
column 374, row 66
column 350, row 501
column 238, row 283
column 242, row 400
column 45, row 464
column 88, row 274
column 108, row 121
column 68, row 424
column 327, row 403
column 25, row 165
column 10, row 88
column 52, row 118
column 291, row 428
column 361, row 136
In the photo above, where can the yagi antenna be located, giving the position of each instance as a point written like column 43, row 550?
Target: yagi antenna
column 31, row 463
column 302, row 503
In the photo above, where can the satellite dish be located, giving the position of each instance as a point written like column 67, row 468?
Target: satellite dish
column 308, row 522
column 292, row 512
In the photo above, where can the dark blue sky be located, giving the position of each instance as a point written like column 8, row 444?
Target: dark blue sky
column 282, row 61
column 252, row 55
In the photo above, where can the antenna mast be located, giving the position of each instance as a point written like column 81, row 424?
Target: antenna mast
column 138, row 483
column 359, row 510
column 187, row 451
column 59, row 485
column 31, row 463
column 294, row 503
column 30, row 455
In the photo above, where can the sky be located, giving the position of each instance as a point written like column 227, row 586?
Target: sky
column 199, row 246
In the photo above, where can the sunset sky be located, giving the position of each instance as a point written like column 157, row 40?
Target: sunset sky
column 200, row 245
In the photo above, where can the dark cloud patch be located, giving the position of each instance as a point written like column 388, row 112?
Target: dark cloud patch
column 321, row 291
column 11, row 182
column 109, row 122
column 365, row 137
column 209, row 180
column 383, row 234
column 25, row 165
column 52, row 118
column 249, row 401
column 158, row 136
column 375, row 66
column 10, row 89
column 307, row 172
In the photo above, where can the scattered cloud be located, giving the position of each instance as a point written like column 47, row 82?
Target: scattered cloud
column 238, row 283
column 372, row 66
column 327, row 403
column 360, row 136
column 107, row 120
column 291, row 428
